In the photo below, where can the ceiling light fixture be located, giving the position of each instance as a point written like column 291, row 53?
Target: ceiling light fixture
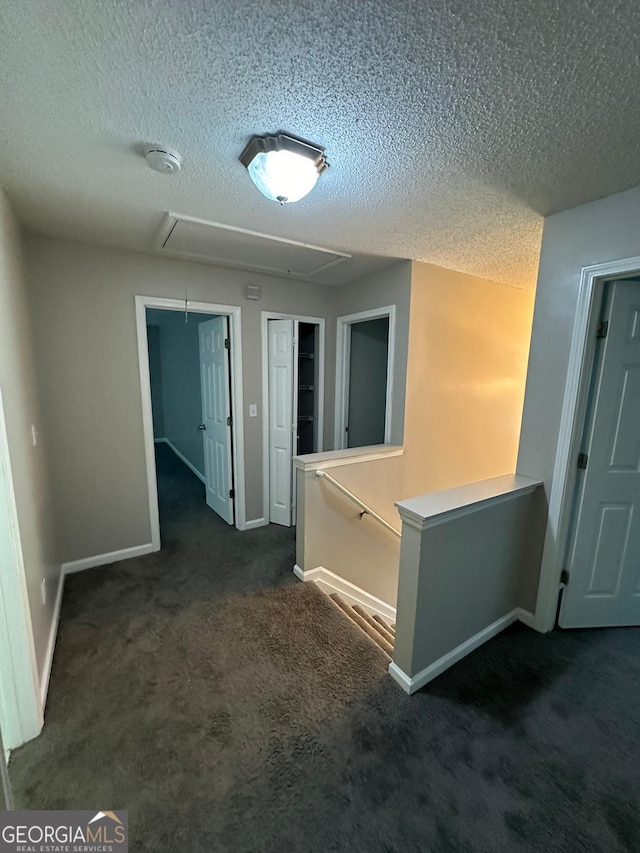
column 284, row 168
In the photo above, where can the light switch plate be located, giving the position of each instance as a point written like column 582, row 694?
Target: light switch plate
column 253, row 410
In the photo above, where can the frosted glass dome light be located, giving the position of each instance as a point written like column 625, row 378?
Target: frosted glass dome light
column 284, row 168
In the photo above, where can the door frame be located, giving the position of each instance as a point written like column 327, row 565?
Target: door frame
column 21, row 711
column 265, row 316
column 233, row 312
column 593, row 279
column 343, row 353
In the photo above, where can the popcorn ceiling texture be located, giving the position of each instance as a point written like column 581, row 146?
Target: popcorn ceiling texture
column 452, row 128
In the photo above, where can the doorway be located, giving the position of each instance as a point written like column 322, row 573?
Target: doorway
column 190, row 397
column 293, row 405
column 602, row 583
column 192, row 392
column 364, row 378
column 577, row 425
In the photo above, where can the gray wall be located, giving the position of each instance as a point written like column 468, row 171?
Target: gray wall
column 460, row 576
column 28, row 463
column 593, row 233
column 390, row 286
column 84, row 318
column 155, row 375
column 368, row 382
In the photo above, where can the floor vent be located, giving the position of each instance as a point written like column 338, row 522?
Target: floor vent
column 375, row 627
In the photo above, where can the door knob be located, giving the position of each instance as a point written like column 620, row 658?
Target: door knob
column 202, row 426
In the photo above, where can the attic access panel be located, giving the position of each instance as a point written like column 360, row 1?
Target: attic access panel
column 198, row 239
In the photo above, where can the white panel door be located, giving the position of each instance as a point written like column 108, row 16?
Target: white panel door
column 281, row 419
column 604, row 558
column 216, row 415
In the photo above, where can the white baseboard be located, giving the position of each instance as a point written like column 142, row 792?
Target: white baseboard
column 411, row 684
column 45, row 675
column 159, row 440
column 106, row 559
column 68, row 569
column 255, row 522
column 184, row 459
column 526, row 617
column 330, row 582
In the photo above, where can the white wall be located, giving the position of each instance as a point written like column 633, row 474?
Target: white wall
column 22, row 411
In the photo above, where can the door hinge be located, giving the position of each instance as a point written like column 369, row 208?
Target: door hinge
column 229, row 420
column 564, row 577
column 603, row 328
column 232, row 493
column 227, row 343
column 582, row 460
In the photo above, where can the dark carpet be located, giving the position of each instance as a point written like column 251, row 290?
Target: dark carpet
column 231, row 708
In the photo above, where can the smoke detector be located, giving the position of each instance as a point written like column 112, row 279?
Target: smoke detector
column 163, row 159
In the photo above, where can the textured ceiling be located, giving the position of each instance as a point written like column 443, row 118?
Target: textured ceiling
column 451, row 127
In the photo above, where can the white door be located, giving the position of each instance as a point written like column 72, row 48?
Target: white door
column 282, row 410
column 604, row 559
column 216, row 415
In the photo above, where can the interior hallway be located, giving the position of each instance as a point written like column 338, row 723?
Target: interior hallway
column 229, row 707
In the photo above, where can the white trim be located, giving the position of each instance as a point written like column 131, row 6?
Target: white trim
column 340, row 458
column 526, row 617
column 107, row 559
column 237, row 428
column 583, row 343
column 253, row 523
column 437, row 507
column 329, row 582
column 410, row 685
column 51, row 643
column 184, row 459
column 159, row 440
column 68, row 569
column 20, row 710
column 171, row 219
column 343, row 349
column 265, row 316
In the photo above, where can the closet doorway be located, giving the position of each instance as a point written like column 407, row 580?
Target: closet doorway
column 293, row 405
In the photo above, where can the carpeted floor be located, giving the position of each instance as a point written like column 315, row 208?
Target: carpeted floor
column 231, row 708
